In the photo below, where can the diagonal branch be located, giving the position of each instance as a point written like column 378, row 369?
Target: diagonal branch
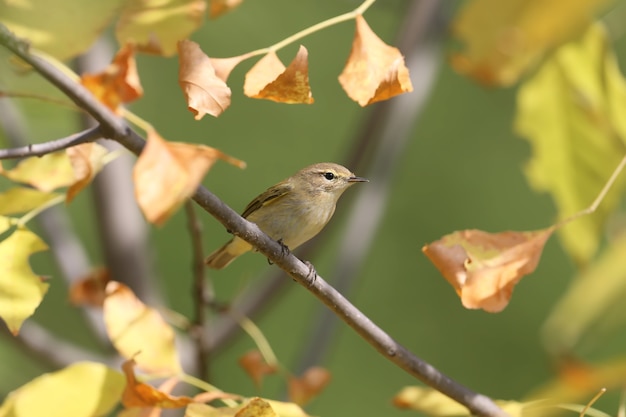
column 118, row 130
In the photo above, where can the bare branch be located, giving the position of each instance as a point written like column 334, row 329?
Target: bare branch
column 117, row 129
column 39, row 149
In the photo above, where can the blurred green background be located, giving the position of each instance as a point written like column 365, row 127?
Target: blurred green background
column 463, row 169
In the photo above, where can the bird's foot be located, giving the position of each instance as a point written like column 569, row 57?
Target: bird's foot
column 311, row 276
column 284, row 250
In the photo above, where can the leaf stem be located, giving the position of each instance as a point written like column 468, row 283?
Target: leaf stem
column 203, row 385
column 259, row 339
column 34, row 212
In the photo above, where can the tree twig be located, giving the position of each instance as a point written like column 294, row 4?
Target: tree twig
column 117, row 129
column 40, row 149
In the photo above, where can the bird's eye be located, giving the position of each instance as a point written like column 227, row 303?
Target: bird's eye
column 329, row 176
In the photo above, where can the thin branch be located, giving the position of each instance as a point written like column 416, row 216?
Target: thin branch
column 202, row 293
column 117, row 129
column 40, row 149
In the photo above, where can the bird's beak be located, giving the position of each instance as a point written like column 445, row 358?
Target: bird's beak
column 357, row 179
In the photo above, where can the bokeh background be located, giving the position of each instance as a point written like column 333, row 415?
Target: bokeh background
column 462, row 168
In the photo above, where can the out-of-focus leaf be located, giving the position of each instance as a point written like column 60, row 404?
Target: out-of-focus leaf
column 87, row 161
column 375, row 71
column 83, row 389
column 45, row 173
column 255, row 366
column 21, row 291
column 155, row 26
column 167, row 173
column 90, row 290
column 593, row 306
column 504, row 39
column 484, row 267
column 5, row 224
column 20, row 200
column 205, row 92
column 138, row 394
column 219, row 7
column 62, row 28
column 572, row 112
column 269, row 79
column 254, row 407
column 309, row 385
column 119, row 82
column 138, row 331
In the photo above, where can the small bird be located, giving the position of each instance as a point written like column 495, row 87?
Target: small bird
column 292, row 211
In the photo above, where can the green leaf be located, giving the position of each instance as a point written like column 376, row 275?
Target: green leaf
column 21, row 291
column 84, row 389
column 572, row 112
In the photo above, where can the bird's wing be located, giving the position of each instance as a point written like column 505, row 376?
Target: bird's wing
column 270, row 196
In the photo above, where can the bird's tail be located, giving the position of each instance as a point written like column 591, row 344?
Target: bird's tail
column 222, row 257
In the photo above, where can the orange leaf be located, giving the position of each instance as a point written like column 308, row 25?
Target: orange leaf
column 89, row 290
column 270, row 80
column 375, row 71
column 138, row 394
column 204, row 91
column 118, row 83
column 255, row 366
column 483, row 267
column 167, row 173
column 86, row 160
column 134, row 327
column 309, row 385
column 219, row 7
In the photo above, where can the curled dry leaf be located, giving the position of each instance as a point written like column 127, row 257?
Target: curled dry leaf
column 309, row 385
column 375, row 71
column 269, row 79
column 90, row 290
column 137, row 330
column 219, row 7
column 167, row 173
column 255, row 366
column 484, row 267
column 118, row 83
column 138, row 394
column 87, row 161
column 205, row 92
column 155, row 26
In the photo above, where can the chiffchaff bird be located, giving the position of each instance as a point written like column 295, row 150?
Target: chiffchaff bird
column 292, row 211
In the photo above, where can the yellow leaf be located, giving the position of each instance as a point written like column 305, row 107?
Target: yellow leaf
column 118, row 83
column 484, row 267
column 219, row 7
column 21, row 291
column 375, row 71
column 269, row 79
column 593, row 306
column 167, row 173
column 504, row 39
column 87, row 161
column 254, row 407
column 154, row 26
column 20, row 200
column 5, row 223
column 45, row 173
column 138, row 331
column 205, row 92
column 572, row 112
column 63, row 28
column 83, row 389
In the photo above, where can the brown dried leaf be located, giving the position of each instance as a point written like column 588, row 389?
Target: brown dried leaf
column 87, row 161
column 138, row 394
column 118, row 83
column 167, row 173
column 90, row 290
column 219, row 7
column 375, row 71
column 483, row 267
column 255, row 366
column 309, row 385
column 270, row 80
column 205, row 92
column 136, row 328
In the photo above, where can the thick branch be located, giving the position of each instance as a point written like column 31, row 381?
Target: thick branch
column 117, row 129
column 40, row 149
